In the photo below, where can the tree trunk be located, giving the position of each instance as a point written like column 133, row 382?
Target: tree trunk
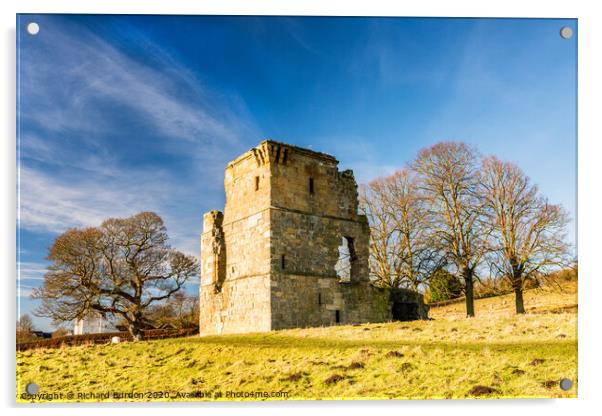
column 517, row 284
column 137, row 334
column 136, row 330
column 518, row 298
column 468, row 282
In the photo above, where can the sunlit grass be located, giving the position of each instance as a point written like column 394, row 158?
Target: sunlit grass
column 515, row 356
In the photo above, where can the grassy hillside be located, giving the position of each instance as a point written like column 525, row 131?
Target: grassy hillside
column 496, row 354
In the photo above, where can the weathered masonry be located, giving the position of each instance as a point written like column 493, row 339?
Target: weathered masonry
column 290, row 249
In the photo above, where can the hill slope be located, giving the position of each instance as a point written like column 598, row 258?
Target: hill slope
column 496, row 354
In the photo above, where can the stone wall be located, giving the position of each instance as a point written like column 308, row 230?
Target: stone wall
column 408, row 305
column 310, row 243
column 273, row 259
column 235, row 254
column 309, row 301
column 310, row 182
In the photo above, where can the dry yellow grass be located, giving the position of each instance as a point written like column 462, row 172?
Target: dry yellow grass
column 549, row 299
column 447, row 357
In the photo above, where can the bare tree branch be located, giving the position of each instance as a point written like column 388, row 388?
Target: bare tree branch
column 529, row 234
column 120, row 268
column 449, row 189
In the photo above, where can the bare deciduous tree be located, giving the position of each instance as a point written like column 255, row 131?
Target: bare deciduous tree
column 400, row 253
column 25, row 324
column 60, row 332
column 120, row 268
column 529, row 233
column 180, row 311
column 382, row 244
column 448, row 183
column 25, row 329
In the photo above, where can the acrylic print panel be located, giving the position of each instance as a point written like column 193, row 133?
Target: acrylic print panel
column 290, row 208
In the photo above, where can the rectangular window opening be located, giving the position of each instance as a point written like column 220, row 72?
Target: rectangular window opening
column 311, row 186
column 282, row 262
column 337, row 316
column 256, row 183
column 346, row 265
column 319, row 298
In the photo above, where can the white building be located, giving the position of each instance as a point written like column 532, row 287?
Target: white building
column 93, row 323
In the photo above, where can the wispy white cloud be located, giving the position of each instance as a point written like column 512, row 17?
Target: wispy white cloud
column 31, row 271
column 33, row 148
column 54, row 205
column 24, row 291
column 166, row 95
column 299, row 33
column 75, row 88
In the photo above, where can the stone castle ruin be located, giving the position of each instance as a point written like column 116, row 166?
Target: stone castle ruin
column 290, row 249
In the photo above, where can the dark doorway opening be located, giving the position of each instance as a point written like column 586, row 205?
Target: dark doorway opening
column 405, row 311
column 337, row 316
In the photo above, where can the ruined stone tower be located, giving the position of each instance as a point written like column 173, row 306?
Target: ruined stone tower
column 290, row 249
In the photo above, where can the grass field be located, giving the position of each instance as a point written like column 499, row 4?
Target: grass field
column 494, row 355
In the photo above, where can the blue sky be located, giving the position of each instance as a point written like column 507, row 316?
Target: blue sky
column 119, row 114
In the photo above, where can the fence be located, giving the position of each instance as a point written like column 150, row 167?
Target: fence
column 447, row 302
column 87, row 339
